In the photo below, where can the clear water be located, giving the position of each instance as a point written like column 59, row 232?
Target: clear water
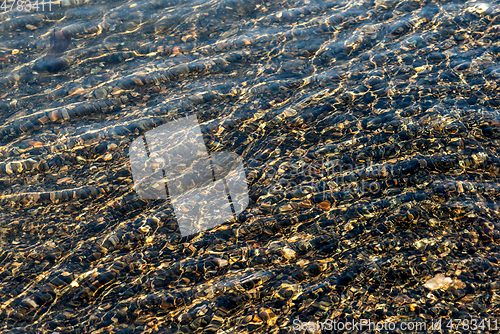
column 368, row 131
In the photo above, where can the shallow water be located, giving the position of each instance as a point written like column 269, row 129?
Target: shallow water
column 368, row 131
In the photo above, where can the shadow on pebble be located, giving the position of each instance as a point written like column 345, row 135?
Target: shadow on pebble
column 53, row 62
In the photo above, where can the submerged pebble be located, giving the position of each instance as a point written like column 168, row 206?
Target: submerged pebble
column 369, row 134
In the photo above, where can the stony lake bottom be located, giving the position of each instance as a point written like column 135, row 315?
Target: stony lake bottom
column 369, row 134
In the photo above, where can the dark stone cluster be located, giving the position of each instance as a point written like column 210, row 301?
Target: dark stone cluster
column 319, row 98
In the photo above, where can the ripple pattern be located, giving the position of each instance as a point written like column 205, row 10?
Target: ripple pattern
column 370, row 135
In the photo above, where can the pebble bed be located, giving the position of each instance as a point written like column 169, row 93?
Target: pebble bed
column 370, row 136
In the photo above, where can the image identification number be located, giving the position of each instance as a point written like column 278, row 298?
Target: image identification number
column 26, row 5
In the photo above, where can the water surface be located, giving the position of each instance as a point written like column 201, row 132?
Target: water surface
column 369, row 134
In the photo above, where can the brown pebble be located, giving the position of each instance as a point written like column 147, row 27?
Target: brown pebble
column 325, row 205
column 305, row 204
